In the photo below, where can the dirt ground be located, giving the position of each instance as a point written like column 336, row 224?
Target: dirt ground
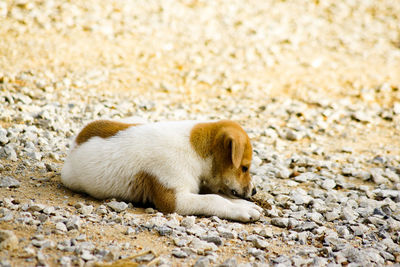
column 48, row 189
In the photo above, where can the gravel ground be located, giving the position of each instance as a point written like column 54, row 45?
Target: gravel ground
column 315, row 84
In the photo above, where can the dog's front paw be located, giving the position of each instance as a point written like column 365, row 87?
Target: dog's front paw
column 246, row 211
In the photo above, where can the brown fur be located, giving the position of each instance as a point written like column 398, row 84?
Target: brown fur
column 230, row 146
column 101, row 128
column 147, row 188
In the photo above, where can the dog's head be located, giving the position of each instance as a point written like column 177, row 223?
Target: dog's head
column 231, row 152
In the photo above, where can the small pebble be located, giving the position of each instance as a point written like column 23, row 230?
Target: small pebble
column 117, row 206
column 176, row 252
column 8, row 240
column 8, row 181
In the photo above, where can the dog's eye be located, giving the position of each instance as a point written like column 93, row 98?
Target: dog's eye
column 234, row 192
column 245, row 169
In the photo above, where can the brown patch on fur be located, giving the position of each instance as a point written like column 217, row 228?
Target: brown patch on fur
column 205, row 137
column 101, row 128
column 201, row 138
column 229, row 145
column 147, row 188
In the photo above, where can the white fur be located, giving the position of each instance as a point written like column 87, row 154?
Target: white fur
column 132, row 119
column 104, row 168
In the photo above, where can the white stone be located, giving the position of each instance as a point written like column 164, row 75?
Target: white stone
column 61, row 227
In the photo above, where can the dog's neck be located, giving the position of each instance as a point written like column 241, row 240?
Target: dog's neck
column 202, row 138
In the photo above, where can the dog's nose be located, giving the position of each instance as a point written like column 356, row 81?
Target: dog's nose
column 254, row 191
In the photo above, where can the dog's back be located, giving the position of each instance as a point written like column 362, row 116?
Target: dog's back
column 107, row 155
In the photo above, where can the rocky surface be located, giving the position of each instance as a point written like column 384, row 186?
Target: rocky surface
column 324, row 125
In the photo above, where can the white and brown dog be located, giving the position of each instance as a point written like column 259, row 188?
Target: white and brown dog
column 167, row 164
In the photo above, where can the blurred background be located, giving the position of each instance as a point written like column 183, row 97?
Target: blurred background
column 303, row 49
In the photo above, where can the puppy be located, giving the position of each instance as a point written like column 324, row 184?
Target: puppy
column 167, row 164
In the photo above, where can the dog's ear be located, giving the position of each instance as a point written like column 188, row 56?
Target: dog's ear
column 236, row 146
